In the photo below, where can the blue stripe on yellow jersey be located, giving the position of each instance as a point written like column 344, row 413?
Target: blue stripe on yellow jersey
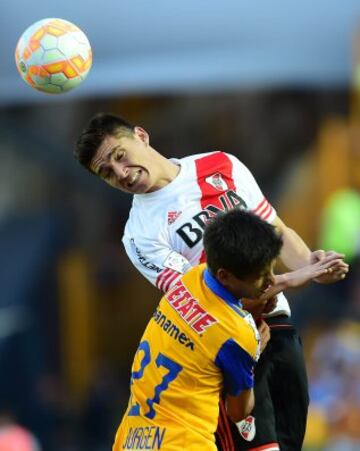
column 198, row 342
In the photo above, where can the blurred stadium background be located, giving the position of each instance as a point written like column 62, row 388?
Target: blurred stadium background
column 275, row 83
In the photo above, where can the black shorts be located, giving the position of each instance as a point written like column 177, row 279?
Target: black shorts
column 281, row 397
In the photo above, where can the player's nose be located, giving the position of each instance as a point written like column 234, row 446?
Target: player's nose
column 120, row 171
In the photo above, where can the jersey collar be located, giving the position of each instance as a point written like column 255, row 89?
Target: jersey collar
column 167, row 189
column 219, row 289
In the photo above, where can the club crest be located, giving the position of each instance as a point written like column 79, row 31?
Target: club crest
column 172, row 216
column 247, row 428
column 217, row 182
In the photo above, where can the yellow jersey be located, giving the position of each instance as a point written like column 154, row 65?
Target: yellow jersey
column 198, row 343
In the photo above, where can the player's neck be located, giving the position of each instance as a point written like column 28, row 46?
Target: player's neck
column 167, row 172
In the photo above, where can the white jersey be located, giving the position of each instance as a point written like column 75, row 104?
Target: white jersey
column 163, row 235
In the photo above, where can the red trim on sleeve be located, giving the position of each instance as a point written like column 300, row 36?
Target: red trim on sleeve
column 268, row 447
column 264, row 209
column 169, row 280
column 160, row 278
column 268, row 213
column 261, row 204
column 165, row 278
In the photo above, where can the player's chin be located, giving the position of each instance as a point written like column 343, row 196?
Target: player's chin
column 141, row 189
column 136, row 189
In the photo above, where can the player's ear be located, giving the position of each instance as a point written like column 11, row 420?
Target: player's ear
column 142, row 135
column 223, row 276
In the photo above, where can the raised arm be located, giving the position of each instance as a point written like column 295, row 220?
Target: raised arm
column 295, row 254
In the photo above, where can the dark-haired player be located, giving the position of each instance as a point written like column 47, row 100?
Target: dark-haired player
column 201, row 342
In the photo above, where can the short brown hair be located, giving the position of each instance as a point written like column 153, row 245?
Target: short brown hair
column 100, row 126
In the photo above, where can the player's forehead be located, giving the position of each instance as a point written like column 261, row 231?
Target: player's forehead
column 107, row 146
column 266, row 271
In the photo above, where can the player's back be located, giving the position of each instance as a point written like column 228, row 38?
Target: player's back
column 177, row 374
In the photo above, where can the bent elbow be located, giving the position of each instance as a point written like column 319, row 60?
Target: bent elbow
column 238, row 416
column 249, row 407
column 241, row 412
column 239, row 407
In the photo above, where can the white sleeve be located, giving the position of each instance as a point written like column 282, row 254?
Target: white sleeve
column 246, row 185
column 156, row 261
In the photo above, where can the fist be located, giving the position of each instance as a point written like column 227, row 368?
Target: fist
column 264, row 331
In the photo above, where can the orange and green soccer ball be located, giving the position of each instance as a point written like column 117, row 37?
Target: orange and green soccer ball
column 53, row 56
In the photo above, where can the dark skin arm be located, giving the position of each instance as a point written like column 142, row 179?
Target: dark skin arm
column 239, row 407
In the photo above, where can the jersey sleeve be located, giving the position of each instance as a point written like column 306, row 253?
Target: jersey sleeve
column 237, row 367
column 156, row 261
column 246, row 184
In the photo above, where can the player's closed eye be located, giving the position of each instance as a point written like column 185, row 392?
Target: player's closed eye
column 119, row 155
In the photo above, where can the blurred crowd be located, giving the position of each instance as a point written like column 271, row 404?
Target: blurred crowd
column 334, row 376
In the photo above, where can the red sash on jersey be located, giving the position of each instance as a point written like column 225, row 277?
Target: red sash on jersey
column 212, row 165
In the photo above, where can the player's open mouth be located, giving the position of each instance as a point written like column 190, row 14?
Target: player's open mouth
column 134, row 179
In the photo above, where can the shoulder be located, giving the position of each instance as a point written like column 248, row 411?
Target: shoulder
column 249, row 339
column 191, row 158
column 217, row 160
column 212, row 155
column 242, row 331
column 229, row 321
column 145, row 221
column 215, row 156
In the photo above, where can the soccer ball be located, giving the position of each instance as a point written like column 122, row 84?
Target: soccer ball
column 53, row 56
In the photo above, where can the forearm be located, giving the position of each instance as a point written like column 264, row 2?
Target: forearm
column 295, row 253
column 328, row 265
column 239, row 407
column 284, row 281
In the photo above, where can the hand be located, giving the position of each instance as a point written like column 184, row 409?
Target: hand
column 264, row 331
column 294, row 279
column 328, row 265
column 336, row 273
column 270, row 305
